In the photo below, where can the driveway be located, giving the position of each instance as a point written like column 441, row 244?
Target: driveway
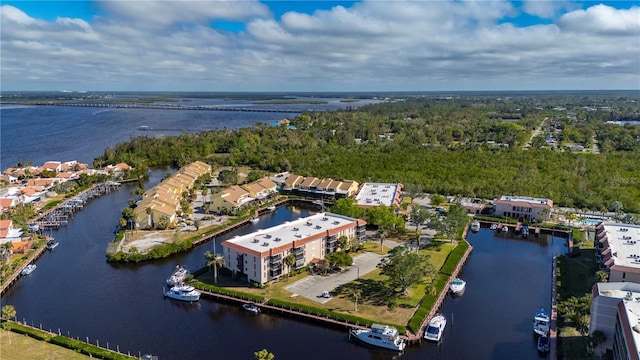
column 312, row 287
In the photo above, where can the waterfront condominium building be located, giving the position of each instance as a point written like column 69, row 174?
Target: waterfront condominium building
column 261, row 255
column 615, row 310
column 378, row 194
column 618, row 251
column 523, row 208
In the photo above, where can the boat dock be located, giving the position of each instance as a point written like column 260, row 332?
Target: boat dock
column 60, row 214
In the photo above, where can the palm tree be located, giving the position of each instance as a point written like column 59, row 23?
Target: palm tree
column 263, row 354
column 215, row 260
column 289, row 260
column 8, row 312
column 355, row 294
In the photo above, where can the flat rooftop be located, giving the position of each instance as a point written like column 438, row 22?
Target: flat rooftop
column 290, row 231
column 524, row 199
column 377, row 194
column 624, row 242
column 629, row 293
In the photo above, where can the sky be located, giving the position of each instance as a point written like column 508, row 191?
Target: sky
column 377, row 45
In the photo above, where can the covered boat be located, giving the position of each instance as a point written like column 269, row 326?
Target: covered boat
column 541, row 323
column 457, row 286
column 435, row 328
column 28, row 269
column 183, row 292
column 178, row 276
column 252, row 308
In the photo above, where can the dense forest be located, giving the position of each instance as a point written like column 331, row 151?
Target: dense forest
column 469, row 146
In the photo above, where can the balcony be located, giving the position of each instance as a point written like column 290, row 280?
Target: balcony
column 274, row 266
column 275, row 273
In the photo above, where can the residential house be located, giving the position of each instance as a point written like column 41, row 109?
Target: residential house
column 523, row 208
column 8, row 233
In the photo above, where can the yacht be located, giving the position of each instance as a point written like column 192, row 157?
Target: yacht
column 380, row 335
column 179, row 275
column 457, row 286
column 475, row 226
column 252, row 308
column 183, row 292
column 435, row 328
column 541, row 323
column 254, row 219
column 543, row 345
column 52, row 244
column 271, row 208
column 28, row 269
column 493, row 226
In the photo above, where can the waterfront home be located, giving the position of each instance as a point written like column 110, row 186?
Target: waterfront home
column 319, row 188
column 614, row 311
column 618, row 251
column 261, row 188
column 8, row 232
column 52, row 166
column 523, row 208
column 6, row 204
column 378, row 194
column 164, row 198
column 260, row 256
column 230, row 200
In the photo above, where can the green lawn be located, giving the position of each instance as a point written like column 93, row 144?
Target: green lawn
column 373, row 302
column 15, row 346
column 576, row 276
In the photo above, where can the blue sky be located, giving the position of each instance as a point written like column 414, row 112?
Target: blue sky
column 319, row 45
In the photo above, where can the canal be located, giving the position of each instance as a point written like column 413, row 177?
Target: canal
column 75, row 291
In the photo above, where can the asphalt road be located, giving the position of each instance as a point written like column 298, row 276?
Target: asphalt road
column 313, row 286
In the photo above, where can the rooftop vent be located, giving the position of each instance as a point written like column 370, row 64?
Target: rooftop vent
column 317, row 227
column 268, row 236
column 265, row 244
column 325, row 218
column 295, row 229
column 255, row 241
column 636, row 328
column 276, row 239
column 336, row 222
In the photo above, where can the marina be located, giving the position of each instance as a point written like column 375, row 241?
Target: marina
column 279, row 323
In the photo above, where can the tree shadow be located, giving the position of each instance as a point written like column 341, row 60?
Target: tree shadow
column 373, row 292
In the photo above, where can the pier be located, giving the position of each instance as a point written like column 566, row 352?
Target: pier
column 60, row 214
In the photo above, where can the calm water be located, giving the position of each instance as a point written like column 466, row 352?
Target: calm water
column 75, row 290
column 59, row 133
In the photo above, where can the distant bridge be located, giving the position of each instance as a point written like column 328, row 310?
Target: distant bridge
column 171, row 107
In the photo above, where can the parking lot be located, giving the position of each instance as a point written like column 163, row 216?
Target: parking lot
column 313, row 286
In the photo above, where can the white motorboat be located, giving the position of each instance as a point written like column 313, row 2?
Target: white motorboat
column 493, row 226
column 52, row 244
column 183, row 292
column 457, row 286
column 475, row 226
column 28, row 269
column 380, row 335
column 505, row 228
column 543, row 345
column 271, row 208
column 435, row 328
column 524, row 231
column 178, row 276
column 254, row 219
column 252, row 308
column 541, row 323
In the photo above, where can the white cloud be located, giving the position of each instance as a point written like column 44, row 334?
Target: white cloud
column 374, row 45
column 603, row 19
